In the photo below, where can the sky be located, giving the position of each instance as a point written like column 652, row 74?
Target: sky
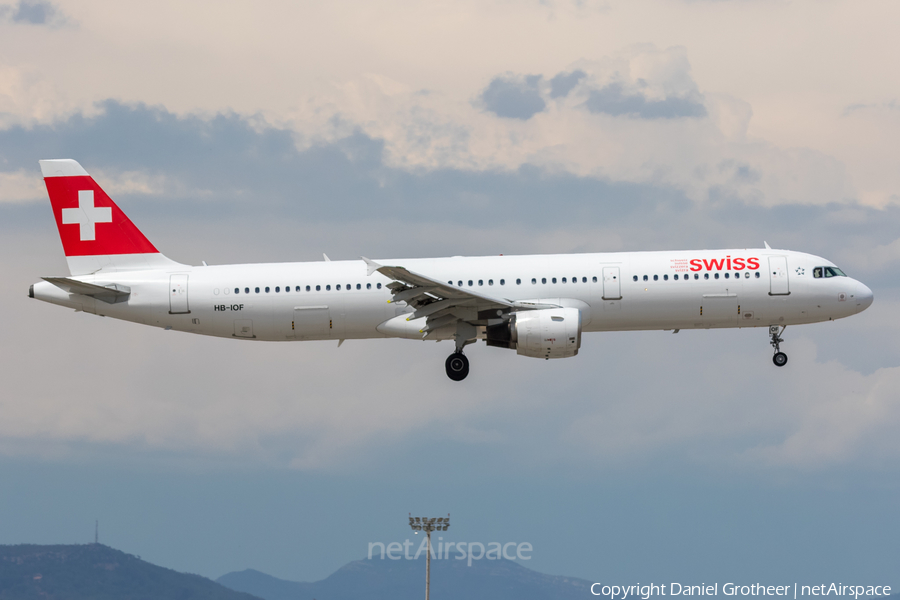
column 269, row 131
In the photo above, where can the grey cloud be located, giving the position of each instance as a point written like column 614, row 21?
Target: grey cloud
column 514, row 97
column 852, row 108
column 33, row 13
column 614, row 100
column 740, row 172
column 563, row 83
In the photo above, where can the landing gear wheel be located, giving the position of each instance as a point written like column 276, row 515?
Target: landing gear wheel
column 457, row 366
column 780, row 358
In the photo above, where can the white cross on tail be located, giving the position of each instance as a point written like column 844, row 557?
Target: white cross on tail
column 87, row 215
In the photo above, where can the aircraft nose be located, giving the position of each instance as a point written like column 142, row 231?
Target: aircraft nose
column 863, row 296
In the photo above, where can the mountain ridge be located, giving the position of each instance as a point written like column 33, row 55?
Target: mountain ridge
column 97, row 572
column 378, row 579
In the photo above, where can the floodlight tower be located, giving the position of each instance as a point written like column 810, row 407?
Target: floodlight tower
column 428, row 525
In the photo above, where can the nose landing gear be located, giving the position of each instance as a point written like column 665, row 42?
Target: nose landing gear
column 780, row 359
column 457, row 366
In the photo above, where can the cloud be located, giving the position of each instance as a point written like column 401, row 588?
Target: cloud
column 33, row 12
column 614, row 100
column 891, row 105
column 563, row 83
column 514, row 97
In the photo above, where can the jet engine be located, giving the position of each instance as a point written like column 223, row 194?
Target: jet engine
column 544, row 333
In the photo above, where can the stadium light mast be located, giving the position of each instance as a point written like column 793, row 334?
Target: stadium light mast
column 428, row 525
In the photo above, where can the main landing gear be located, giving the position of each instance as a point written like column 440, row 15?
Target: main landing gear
column 457, row 366
column 780, row 358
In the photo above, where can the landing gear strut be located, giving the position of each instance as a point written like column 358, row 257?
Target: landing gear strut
column 780, row 358
column 457, row 366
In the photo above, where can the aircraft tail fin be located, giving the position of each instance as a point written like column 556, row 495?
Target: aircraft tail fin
column 96, row 235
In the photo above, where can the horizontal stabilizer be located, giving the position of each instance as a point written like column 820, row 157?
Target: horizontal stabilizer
column 108, row 292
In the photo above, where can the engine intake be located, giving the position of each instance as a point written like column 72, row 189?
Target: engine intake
column 545, row 333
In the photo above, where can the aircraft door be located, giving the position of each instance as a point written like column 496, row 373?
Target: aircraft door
column 178, row 295
column 778, row 276
column 612, row 288
column 312, row 322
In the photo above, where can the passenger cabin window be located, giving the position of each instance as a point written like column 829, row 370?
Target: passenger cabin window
column 358, row 286
column 665, row 277
column 727, row 275
column 318, row 288
column 553, row 280
column 502, row 282
column 675, row 277
column 378, row 285
column 368, row 286
column 533, row 281
column 635, row 277
column 563, row 279
column 518, row 282
column 237, row 290
column 490, row 282
column 645, row 278
column 706, row 276
column 716, row 275
column 470, row 283
column 656, row 278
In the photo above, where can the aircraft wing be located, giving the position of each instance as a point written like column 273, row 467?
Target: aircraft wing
column 443, row 303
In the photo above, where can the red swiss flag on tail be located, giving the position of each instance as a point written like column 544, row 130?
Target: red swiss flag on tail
column 89, row 221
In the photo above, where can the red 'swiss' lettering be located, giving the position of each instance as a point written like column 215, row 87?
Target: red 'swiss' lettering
column 727, row 264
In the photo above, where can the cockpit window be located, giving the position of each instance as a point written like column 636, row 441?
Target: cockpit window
column 827, row 272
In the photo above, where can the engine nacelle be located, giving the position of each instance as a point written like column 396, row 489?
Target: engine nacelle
column 545, row 333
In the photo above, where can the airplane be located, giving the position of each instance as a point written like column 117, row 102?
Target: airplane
column 538, row 305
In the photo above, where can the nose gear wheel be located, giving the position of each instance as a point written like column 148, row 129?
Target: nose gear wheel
column 780, row 359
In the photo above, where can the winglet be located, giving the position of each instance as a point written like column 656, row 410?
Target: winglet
column 371, row 265
column 768, row 247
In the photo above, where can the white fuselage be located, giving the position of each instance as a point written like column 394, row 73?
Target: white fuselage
column 614, row 291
